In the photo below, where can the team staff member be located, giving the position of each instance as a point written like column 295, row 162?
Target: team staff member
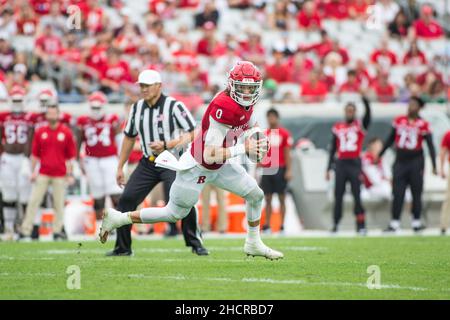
column 156, row 119
column 445, row 210
column 347, row 141
column 54, row 148
column 276, row 166
column 408, row 133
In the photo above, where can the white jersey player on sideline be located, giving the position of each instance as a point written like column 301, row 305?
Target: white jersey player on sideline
column 206, row 161
column 98, row 133
column 15, row 171
column 377, row 182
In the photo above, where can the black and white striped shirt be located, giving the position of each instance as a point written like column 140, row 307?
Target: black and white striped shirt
column 162, row 122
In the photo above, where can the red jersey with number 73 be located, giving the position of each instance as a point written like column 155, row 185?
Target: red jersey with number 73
column 224, row 110
column 349, row 139
column 409, row 133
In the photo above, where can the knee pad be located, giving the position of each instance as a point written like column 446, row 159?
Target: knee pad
column 254, row 204
column 177, row 212
column 99, row 204
column 255, row 195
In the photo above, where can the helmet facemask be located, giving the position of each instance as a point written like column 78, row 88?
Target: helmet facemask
column 246, row 93
column 97, row 111
column 17, row 106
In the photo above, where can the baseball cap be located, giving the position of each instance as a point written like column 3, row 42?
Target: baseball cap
column 149, row 77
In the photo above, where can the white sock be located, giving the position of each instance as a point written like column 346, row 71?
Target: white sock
column 253, row 234
column 152, row 215
column 416, row 223
column 9, row 215
column 395, row 224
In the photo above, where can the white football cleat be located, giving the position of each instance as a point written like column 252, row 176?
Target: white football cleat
column 112, row 219
column 258, row 248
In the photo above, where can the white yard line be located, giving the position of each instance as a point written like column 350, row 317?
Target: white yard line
column 299, row 282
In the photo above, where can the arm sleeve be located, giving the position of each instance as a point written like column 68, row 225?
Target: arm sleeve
column 367, row 115
column 332, row 152
column 429, row 140
column 130, row 128
column 389, row 141
column 183, row 117
column 216, row 133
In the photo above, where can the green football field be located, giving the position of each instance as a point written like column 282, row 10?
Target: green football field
column 313, row 268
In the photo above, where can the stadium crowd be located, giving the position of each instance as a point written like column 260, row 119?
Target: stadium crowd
column 309, row 51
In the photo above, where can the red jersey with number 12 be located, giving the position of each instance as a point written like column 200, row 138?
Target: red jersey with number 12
column 224, row 110
column 349, row 139
column 99, row 135
column 409, row 133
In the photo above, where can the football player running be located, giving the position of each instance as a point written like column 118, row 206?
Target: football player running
column 206, row 161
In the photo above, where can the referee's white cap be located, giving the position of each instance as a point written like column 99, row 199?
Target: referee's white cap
column 149, row 77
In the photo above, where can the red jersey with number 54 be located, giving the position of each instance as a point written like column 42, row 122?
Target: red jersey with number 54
column 15, row 128
column 409, row 133
column 99, row 135
column 224, row 110
column 349, row 139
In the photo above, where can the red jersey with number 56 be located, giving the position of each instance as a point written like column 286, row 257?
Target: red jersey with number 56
column 349, row 139
column 15, row 128
column 99, row 135
column 224, row 110
column 409, row 133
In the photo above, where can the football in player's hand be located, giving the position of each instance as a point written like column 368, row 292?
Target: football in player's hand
column 258, row 146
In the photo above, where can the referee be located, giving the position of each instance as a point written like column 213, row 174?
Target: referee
column 157, row 119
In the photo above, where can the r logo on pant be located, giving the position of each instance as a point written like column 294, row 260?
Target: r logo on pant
column 201, row 179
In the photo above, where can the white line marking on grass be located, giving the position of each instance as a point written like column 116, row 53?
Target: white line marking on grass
column 274, row 281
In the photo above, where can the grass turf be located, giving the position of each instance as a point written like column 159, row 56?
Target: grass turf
column 313, row 268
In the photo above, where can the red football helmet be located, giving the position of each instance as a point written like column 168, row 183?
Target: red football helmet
column 47, row 97
column 97, row 101
column 17, row 96
column 244, row 83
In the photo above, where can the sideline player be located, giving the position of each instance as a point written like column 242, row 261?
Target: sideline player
column 98, row 132
column 226, row 118
column 15, row 134
column 348, row 137
column 408, row 133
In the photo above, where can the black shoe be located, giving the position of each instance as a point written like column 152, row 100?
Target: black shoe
column 334, row 229
column 419, row 228
column 200, row 251
column 60, row 236
column 390, row 229
column 443, row 232
column 114, row 253
column 35, row 233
